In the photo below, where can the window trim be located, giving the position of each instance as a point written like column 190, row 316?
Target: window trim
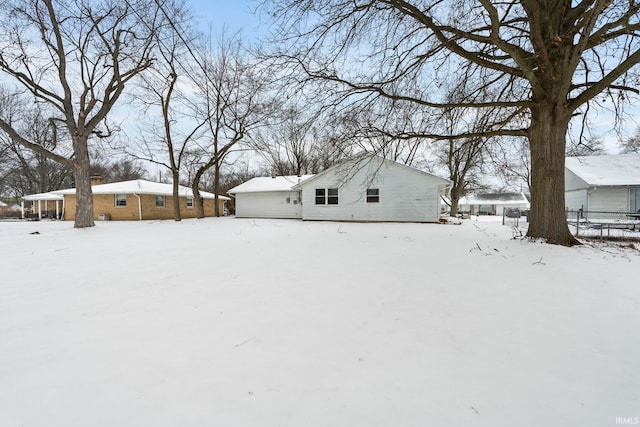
column 331, row 197
column 327, row 196
column 187, row 202
column 164, row 201
column 120, row 205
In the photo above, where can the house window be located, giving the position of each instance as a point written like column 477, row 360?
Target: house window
column 332, row 196
column 159, row 201
column 634, row 194
column 190, row 202
column 326, row 196
column 121, row 200
column 373, row 195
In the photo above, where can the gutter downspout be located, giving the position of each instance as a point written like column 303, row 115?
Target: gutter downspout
column 139, row 207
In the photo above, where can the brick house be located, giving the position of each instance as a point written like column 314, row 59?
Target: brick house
column 139, row 200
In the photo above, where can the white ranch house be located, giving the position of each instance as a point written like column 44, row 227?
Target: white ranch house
column 492, row 203
column 365, row 188
column 603, row 183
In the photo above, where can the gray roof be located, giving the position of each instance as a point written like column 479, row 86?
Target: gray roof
column 610, row 170
column 365, row 157
column 268, row 184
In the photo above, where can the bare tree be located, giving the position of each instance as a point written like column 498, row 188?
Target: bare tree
column 232, row 103
column 27, row 171
column 31, row 172
column 539, row 63
column 463, row 159
column 631, row 145
column 75, row 57
column 115, row 169
column 385, row 128
column 593, row 146
column 286, row 143
column 5, row 170
column 174, row 125
column 511, row 162
column 299, row 141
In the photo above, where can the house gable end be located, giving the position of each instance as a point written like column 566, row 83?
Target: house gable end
column 345, row 171
column 573, row 181
column 372, row 189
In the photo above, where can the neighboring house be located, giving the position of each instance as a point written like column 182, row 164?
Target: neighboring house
column 603, row 183
column 4, row 209
column 269, row 197
column 365, row 188
column 492, row 203
column 137, row 200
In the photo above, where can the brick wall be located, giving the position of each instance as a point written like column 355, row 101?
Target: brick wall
column 105, row 204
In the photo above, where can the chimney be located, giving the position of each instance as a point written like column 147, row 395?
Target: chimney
column 96, row 180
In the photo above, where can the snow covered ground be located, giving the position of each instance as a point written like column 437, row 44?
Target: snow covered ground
column 237, row 322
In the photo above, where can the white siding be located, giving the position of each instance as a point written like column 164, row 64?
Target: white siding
column 576, row 199
column 474, row 209
column 615, row 199
column 500, row 208
column 405, row 194
column 281, row 204
column 573, row 182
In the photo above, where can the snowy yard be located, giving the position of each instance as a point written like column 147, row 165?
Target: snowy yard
column 240, row 323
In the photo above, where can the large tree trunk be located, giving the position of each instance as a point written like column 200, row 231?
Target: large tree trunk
column 82, row 175
column 547, row 141
column 453, row 209
column 216, row 188
column 176, row 196
column 199, row 203
column 455, row 194
column 197, row 198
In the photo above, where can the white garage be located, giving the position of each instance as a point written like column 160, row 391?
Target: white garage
column 269, row 197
